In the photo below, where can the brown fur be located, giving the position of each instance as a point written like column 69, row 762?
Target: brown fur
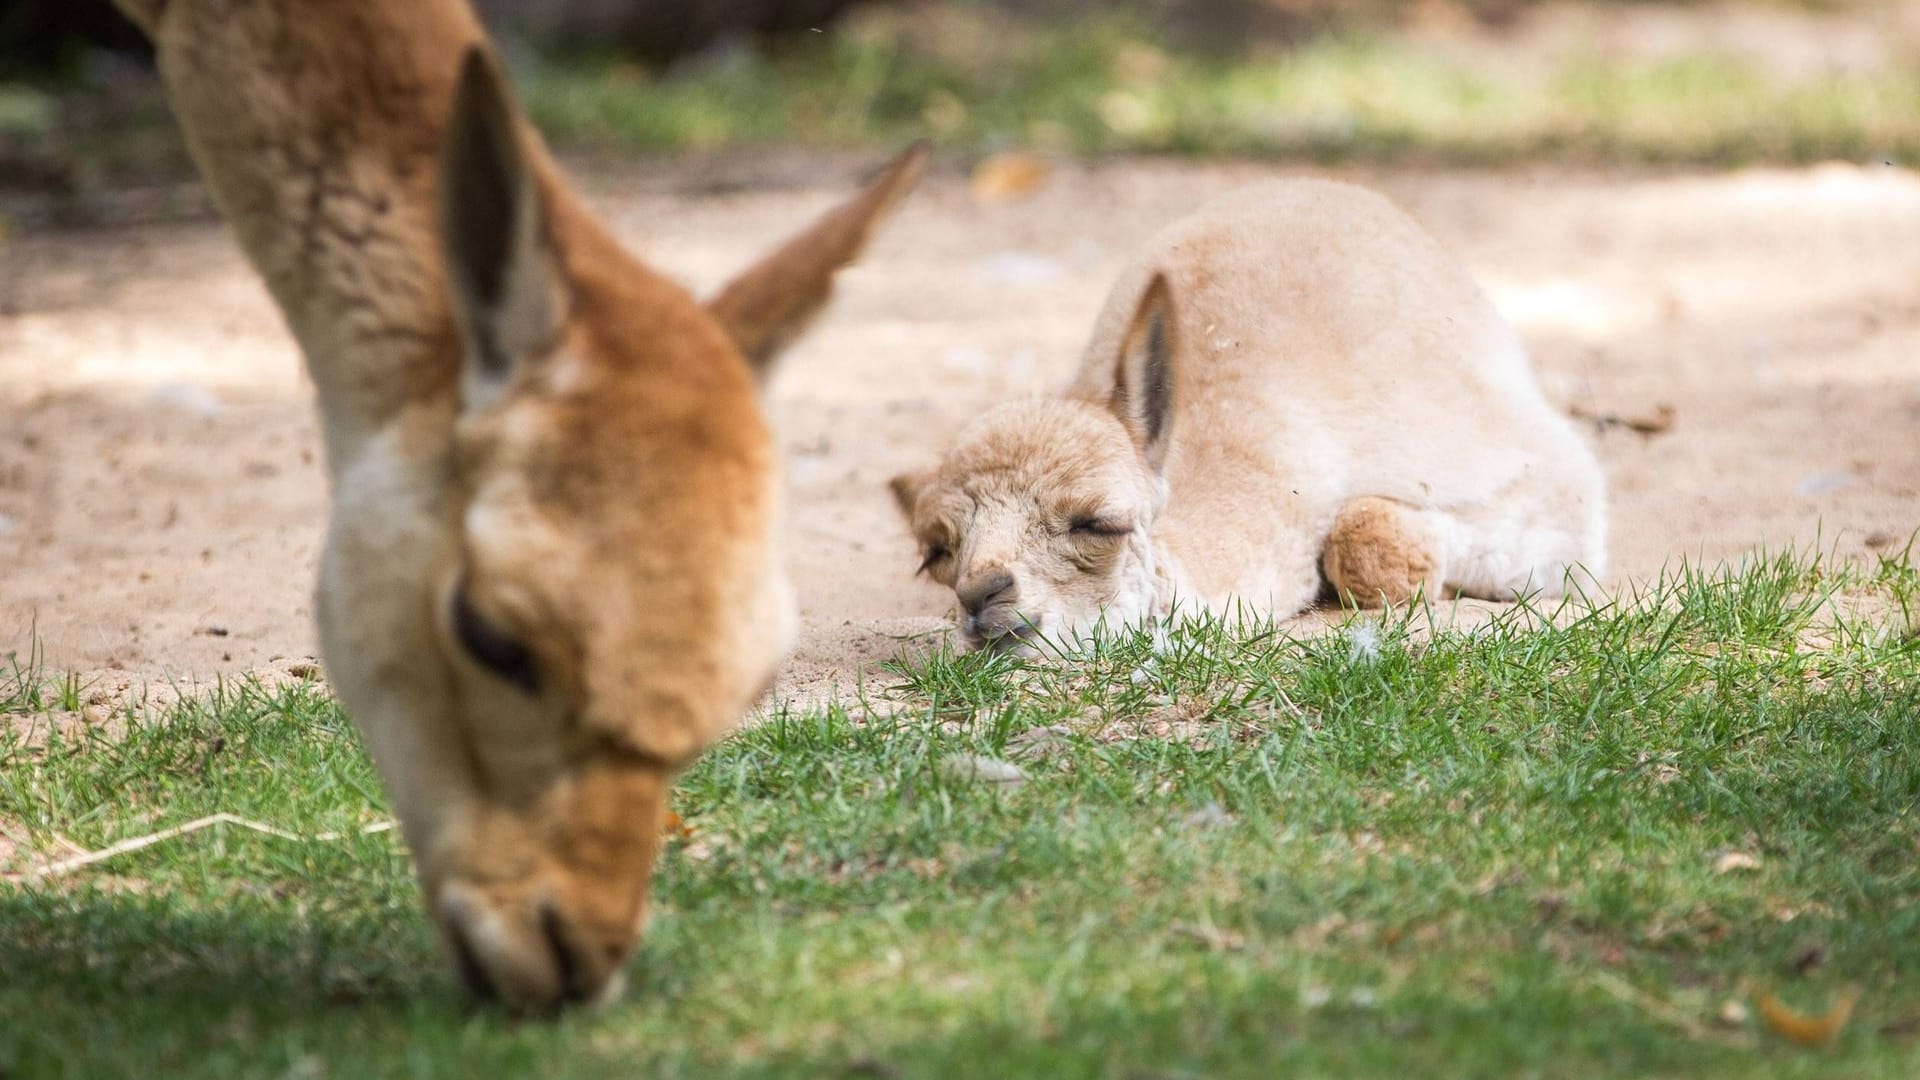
column 1378, row 555
column 603, row 497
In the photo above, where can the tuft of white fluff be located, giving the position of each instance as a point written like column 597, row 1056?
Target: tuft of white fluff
column 1363, row 643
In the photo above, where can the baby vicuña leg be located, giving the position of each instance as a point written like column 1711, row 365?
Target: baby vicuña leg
column 1519, row 546
column 1383, row 552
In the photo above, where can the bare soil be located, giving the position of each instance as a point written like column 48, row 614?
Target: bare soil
column 161, row 498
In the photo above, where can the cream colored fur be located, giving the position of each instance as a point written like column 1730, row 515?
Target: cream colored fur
column 553, row 574
column 1340, row 402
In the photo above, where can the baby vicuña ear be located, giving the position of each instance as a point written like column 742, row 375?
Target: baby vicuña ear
column 1143, row 378
column 767, row 307
column 507, row 291
column 906, row 490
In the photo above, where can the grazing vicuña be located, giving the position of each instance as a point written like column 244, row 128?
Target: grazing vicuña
column 553, row 574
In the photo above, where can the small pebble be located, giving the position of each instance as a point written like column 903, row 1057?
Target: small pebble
column 984, row 769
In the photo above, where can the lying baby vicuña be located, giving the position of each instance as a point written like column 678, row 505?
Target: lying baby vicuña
column 1292, row 388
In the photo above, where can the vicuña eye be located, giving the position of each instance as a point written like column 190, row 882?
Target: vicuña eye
column 1093, row 526
column 493, row 648
column 935, row 556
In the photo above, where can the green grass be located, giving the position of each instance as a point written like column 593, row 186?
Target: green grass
column 1099, row 87
column 1103, row 85
column 1391, row 851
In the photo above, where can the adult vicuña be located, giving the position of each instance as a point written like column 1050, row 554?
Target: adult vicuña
column 552, row 576
column 1295, row 381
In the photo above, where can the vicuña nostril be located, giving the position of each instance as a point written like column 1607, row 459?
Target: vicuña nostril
column 983, row 590
column 521, row 957
column 575, row 971
column 473, row 975
column 530, row 954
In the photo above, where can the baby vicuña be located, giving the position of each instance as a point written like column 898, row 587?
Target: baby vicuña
column 1293, row 388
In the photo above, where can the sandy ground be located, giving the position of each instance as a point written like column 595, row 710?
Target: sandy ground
column 161, row 501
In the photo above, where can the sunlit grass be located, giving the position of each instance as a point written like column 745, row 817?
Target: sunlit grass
column 1103, row 85
column 1102, row 88
column 1394, row 847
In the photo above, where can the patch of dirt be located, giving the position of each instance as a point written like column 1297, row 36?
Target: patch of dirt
column 162, row 500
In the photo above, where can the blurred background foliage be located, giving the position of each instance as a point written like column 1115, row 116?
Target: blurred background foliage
column 1708, row 82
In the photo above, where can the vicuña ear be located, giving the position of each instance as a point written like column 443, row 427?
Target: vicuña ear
column 1143, row 378
column 906, row 490
column 767, row 307
column 507, row 291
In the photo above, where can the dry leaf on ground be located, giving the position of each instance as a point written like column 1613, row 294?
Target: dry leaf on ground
column 1658, row 422
column 1009, row 176
column 1803, row 1029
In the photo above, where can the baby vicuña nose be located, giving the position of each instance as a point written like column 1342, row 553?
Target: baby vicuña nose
column 982, row 590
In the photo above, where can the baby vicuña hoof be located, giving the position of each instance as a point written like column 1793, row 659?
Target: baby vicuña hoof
column 1380, row 553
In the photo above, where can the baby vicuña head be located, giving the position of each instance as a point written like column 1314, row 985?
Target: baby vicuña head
column 1040, row 516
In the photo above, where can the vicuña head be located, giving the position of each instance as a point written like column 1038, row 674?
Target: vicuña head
column 553, row 575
